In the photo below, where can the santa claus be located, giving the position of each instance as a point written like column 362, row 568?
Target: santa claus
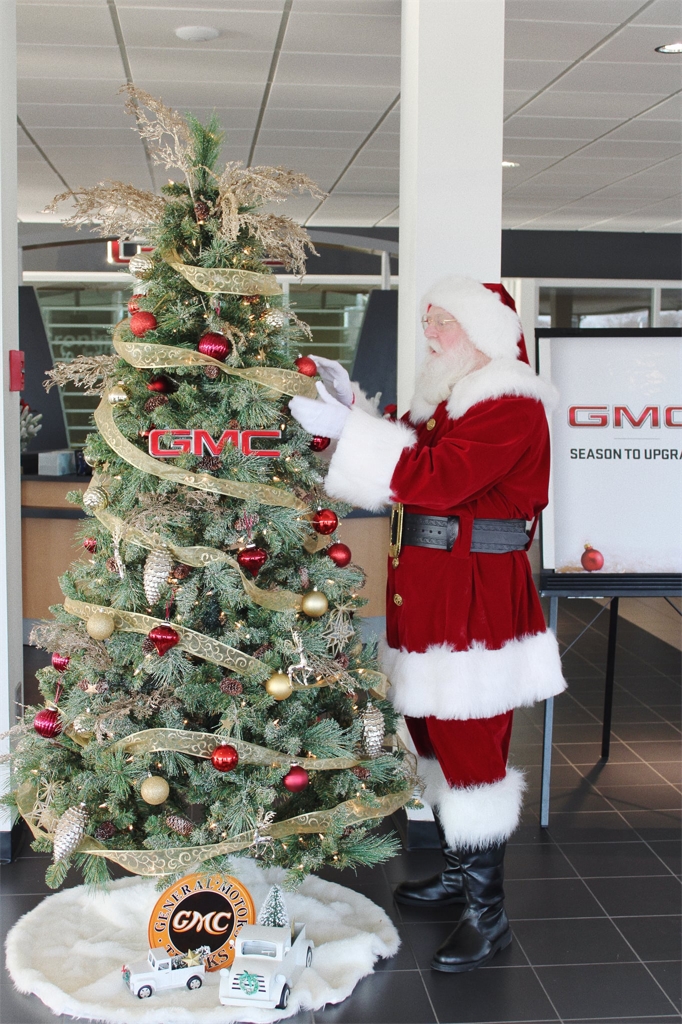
column 466, row 471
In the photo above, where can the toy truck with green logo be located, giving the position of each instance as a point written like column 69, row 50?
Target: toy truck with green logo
column 267, row 964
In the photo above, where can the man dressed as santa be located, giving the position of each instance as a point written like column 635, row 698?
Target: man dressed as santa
column 465, row 470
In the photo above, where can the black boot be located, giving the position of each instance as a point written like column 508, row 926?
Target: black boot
column 439, row 890
column 483, row 929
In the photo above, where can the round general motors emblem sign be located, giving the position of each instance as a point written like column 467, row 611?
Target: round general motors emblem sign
column 202, row 911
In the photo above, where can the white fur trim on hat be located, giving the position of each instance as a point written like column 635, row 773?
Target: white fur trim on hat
column 366, row 455
column 478, row 683
column 473, row 816
column 493, row 327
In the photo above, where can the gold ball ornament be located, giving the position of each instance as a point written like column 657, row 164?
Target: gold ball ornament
column 279, row 686
column 154, row 790
column 100, row 625
column 117, row 395
column 314, row 604
column 95, row 498
column 141, row 265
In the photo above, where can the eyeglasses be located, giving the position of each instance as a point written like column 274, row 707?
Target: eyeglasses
column 437, row 321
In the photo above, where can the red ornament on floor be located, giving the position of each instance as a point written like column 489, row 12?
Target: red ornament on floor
column 318, row 444
column 296, row 779
column 340, row 554
column 225, row 758
column 325, row 521
column 163, row 637
column 591, row 559
column 60, row 662
column 47, row 723
column 133, row 303
column 213, row 344
column 142, row 322
column 306, row 366
column 252, row 559
column 90, row 544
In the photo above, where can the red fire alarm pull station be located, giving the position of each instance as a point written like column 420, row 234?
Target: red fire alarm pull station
column 16, row 370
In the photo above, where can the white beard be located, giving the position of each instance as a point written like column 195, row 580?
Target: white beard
column 437, row 376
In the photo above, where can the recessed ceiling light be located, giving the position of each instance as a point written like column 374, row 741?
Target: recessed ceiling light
column 670, row 48
column 197, row 33
column 509, row 163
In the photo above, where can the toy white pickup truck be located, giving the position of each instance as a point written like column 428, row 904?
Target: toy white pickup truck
column 161, row 972
column 267, row 964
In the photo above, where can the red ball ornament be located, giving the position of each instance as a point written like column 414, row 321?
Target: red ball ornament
column 163, row 637
column 225, row 758
column 325, row 521
column 141, row 322
column 252, row 559
column 295, row 779
column 318, row 444
column 306, row 366
column 213, row 344
column 60, row 662
column 591, row 559
column 90, row 544
column 47, row 723
column 160, row 383
column 340, row 554
column 133, row 303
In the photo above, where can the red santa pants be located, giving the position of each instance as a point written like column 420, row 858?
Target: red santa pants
column 471, row 752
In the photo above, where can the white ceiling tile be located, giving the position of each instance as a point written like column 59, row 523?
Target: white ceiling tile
column 71, row 62
column 529, row 40
column 347, row 96
column 604, row 11
column 240, row 30
column 649, row 79
column 375, row 8
column 514, row 148
column 669, row 110
column 298, row 207
column 384, row 142
column 291, row 119
column 637, row 44
column 615, row 167
column 88, row 91
column 308, row 32
column 524, row 127
column 363, row 211
column 69, row 115
column 203, row 96
column 206, row 7
column 562, row 102
column 311, row 140
column 514, row 98
column 118, row 139
column 54, row 24
column 370, row 180
column 649, row 131
column 651, row 152
column 663, row 12
column 335, row 69
column 370, row 156
column 531, row 74
column 185, row 65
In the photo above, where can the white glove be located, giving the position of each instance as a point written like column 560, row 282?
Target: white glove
column 335, row 378
column 324, row 418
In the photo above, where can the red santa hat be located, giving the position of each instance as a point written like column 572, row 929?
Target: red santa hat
column 486, row 312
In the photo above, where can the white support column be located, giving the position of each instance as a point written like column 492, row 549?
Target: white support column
column 450, row 155
column 11, row 653
column 525, row 293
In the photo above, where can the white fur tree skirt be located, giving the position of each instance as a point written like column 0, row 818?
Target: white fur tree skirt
column 68, row 951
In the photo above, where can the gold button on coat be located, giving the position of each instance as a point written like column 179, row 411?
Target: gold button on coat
column 397, row 599
column 396, row 563
column 431, row 424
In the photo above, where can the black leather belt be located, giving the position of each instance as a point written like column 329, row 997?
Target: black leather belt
column 488, row 535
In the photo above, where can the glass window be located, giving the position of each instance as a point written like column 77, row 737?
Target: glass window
column 335, row 316
column 255, row 947
column 671, row 307
column 580, row 307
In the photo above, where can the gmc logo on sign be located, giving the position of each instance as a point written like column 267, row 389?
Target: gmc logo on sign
column 622, row 416
column 196, row 442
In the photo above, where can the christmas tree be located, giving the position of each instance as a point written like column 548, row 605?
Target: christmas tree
column 273, row 913
column 209, row 691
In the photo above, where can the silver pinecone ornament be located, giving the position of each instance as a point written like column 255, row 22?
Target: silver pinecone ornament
column 373, row 729
column 69, row 832
column 157, row 567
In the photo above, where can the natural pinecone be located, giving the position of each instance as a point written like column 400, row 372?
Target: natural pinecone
column 107, row 830
column 148, row 646
column 360, row 772
column 83, row 684
column 202, row 211
column 154, row 402
column 102, row 686
column 111, row 564
column 262, row 650
column 212, row 372
column 343, row 660
column 231, row 686
column 183, row 826
column 210, row 462
column 181, row 572
column 304, row 576
column 234, row 425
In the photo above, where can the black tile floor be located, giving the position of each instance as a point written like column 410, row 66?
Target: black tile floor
column 594, row 900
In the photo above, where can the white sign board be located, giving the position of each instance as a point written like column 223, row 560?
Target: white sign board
column 616, row 452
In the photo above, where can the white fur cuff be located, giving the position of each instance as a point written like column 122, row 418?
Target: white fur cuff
column 366, row 455
column 478, row 683
column 475, row 816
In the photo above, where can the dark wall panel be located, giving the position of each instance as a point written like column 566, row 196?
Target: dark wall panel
column 33, row 342
column 375, row 366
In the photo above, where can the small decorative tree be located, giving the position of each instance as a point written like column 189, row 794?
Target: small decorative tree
column 273, row 913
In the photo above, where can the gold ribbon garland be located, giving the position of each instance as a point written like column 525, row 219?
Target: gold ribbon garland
column 228, row 282
column 277, row 496
column 179, row 859
column 145, row 355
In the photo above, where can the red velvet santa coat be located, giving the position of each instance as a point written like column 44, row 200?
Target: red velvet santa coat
column 469, row 638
